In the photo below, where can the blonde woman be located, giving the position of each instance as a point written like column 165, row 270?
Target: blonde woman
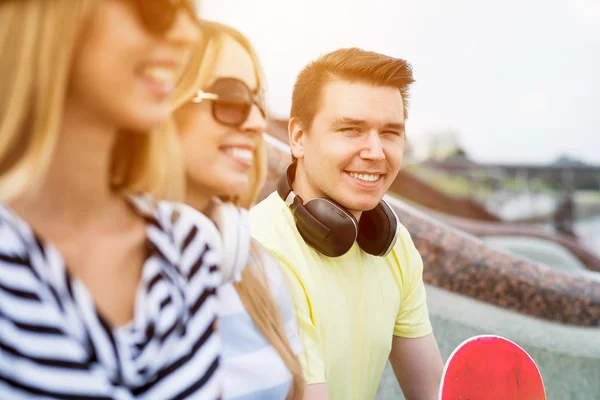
column 102, row 295
column 221, row 120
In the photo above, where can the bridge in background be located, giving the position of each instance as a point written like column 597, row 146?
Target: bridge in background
column 563, row 175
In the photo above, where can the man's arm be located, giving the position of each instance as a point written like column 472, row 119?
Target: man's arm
column 310, row 357
column 418, row 366
column 317, row 391
column 415, row 356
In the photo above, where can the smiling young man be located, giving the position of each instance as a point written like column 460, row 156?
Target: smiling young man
column 353, row 270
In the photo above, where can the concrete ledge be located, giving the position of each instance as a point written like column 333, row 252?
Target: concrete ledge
column 568, row 357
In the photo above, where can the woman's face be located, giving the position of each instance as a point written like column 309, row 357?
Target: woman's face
column 219, row 158
column 123, row 73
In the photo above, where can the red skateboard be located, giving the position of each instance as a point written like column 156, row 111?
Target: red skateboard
column 491, row 368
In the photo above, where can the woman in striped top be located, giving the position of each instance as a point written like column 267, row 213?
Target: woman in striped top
column 103, row 294
column 221, row 119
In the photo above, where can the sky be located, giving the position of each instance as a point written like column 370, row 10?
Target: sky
column 516, row 81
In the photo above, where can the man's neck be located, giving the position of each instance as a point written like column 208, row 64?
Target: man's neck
column 304, row 189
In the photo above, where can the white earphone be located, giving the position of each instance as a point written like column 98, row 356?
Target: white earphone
column 233, row 224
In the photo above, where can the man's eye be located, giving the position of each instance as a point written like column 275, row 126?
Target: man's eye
column 394, row 133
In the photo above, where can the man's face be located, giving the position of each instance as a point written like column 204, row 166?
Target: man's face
column 355, row 146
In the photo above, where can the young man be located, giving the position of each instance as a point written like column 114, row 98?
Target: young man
column 358, row 302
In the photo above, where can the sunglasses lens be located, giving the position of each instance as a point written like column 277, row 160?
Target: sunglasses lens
column 156, row 15
column 231, row 113
column 159, row 15
column 234, row 103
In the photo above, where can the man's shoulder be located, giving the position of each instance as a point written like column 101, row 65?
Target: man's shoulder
column 271, row 227
column 271, row 207
column 404, row 239
column 405, row 253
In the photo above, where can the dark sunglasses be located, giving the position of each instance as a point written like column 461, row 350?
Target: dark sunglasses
column 158, row 16
column 232, row 101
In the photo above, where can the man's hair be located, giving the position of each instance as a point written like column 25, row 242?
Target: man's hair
column 351, row 64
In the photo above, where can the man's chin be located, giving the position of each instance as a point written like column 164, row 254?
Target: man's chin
column 357, row 202
column 361, row 206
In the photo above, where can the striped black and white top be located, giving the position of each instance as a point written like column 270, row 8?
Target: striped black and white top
column 55, row 344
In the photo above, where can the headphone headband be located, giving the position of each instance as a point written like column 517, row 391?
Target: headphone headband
column 284, row 185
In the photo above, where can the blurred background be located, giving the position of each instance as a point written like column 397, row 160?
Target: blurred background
column 503, row 143
column 505, row 107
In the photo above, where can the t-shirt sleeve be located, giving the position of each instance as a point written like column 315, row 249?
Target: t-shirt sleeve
column 412, row 320
column 282, row 298
column 264, row 231
column 290, row 323
column 311, row 355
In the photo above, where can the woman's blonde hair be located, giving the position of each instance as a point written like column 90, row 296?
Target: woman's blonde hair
column 38, row 39
column 253, row 288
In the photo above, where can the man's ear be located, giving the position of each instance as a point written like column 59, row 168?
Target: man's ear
column 296, row 137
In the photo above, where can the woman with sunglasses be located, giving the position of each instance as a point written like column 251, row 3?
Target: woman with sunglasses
column 221, row 120
column 104, row 294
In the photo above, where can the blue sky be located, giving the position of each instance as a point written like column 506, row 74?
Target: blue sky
column 516, row 80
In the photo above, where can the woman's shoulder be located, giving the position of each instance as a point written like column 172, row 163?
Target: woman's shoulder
column 182, row 233
column 179, row 219
column 17, row 239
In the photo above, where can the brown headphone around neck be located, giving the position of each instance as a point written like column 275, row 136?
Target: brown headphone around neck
column 332, row 230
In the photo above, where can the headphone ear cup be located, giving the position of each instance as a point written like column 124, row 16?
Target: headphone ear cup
column 234, row 225
column 378, row 230
column 326, row 226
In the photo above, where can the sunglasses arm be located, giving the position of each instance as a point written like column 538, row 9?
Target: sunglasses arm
column 200, row 95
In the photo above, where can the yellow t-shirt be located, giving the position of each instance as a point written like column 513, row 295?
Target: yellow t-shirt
column 348, row 307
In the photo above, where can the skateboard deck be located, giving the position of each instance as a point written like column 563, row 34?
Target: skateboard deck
column 491, row 367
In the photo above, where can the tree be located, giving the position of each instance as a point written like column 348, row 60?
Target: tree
column 568, row 160
column 443, row 145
